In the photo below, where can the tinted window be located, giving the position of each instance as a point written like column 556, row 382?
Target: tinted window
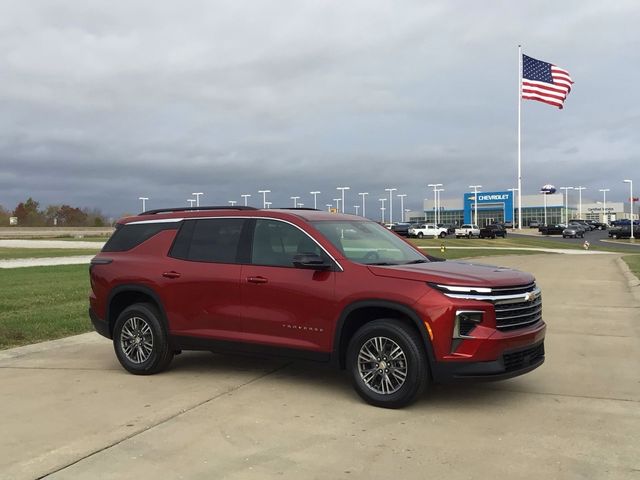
column 209, row 240
column 276, row 243
column 128, row 236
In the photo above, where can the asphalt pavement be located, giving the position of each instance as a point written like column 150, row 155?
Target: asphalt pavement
column 68, row 410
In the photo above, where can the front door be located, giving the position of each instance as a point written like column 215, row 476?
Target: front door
column 284, row 305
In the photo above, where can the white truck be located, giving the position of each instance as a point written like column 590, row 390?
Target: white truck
column 468, row 230
column 427, row 231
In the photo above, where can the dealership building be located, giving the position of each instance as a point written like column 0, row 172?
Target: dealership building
column 503, row 207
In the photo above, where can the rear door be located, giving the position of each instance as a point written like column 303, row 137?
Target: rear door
column 284, row 305
column 202, row 279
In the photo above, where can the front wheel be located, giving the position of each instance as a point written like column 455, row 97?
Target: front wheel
column 420, row 235
column 140, row 340
column 388, row 364
column 442, row 234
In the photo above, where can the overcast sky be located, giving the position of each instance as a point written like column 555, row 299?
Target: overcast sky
column 102, row 102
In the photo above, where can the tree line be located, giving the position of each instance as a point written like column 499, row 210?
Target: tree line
column 30, row 214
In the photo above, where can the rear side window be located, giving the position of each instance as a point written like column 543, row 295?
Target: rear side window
column 131, row 235
column 209, row 240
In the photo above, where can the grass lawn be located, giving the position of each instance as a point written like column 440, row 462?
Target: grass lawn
column 43, row 303
column 634, row 264
column 510, row 241
column 452, row 254
column 9, row 253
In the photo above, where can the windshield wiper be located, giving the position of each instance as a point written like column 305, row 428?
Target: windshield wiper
column 417, row 261
column 382, row 263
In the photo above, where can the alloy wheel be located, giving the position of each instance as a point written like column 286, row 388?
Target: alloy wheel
column 382, row 365
column 136, row 340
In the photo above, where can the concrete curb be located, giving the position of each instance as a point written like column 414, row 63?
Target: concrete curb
column 82, row 339
column 632, row 280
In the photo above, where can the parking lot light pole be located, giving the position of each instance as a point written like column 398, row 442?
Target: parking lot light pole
column 267, row 204
column 390, row 190
column 401, row 196
column 566, row 204
column 605, row 218
column 356, row 207
column 363, row 194
column 144, row 203
column 191, row 201
column 337, row 200
column 197, row 195
column 439, row 211
column 513, row 207
column 295, row 201
column 264, row 197
column 382, row 209
column 343, row 189
column 329, row 206
column 630, row 182
column 580, row 188
column 435, row 199
column 245, row 196
column 315, row 199
column 475, row 201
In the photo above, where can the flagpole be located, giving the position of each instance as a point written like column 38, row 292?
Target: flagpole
column 519, row 137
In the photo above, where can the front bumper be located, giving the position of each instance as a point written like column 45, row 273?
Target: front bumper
column 511, row 363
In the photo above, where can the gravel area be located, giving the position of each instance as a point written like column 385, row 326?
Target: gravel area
column 49, row 244
column 45, row 262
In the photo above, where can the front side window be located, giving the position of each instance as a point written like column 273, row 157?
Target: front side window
column 368, row 243
column 209, row 240
column 275, row 243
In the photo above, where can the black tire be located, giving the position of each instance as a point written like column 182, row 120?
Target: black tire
column 412, row 361
column 469, row 235
column 141, row 323
column 442, row 234
column 420, row 235
column 493, row 237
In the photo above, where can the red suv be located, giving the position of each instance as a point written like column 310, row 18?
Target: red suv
column 312, row 284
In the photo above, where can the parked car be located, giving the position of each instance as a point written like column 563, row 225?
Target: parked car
column 534, row 224
column 451, row 228
column 467, row 230
column 585, row 224
column 427, row 231
column 573, row 231
column 401, row 229
column 597, row 225
column 508, row 224
column 493, row 231
column 330, row 287
column 556, row 229
column 624, row 231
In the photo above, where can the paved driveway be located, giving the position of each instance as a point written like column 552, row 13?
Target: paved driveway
column 68, row 410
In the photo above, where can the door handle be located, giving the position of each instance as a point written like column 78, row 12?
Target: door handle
column 171, row 274
column 257, row 280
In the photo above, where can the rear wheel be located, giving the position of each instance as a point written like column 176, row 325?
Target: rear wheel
column 140, row 340
column 388, row 363
column 442, row 234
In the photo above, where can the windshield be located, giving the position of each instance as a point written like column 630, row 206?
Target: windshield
column 368, row 243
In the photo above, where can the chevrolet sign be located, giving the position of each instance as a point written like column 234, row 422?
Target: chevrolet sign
column 485, row 198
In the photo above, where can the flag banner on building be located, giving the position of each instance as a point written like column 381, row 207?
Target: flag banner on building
column 544, row 82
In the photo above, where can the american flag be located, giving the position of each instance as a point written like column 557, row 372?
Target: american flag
column 544, row 82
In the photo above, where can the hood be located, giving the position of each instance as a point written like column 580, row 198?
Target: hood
column 455, row 273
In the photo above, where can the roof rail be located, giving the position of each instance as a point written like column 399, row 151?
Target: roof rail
column 297, row 208
column 195, row 209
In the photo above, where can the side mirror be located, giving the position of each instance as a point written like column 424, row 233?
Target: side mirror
column 310, row 261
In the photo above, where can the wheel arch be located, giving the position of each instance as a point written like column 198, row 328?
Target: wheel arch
column 361, row 312
column 125, row 295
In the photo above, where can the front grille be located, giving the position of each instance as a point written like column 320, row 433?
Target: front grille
column 510, row 316
column 515, row 306
column 523, row 358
